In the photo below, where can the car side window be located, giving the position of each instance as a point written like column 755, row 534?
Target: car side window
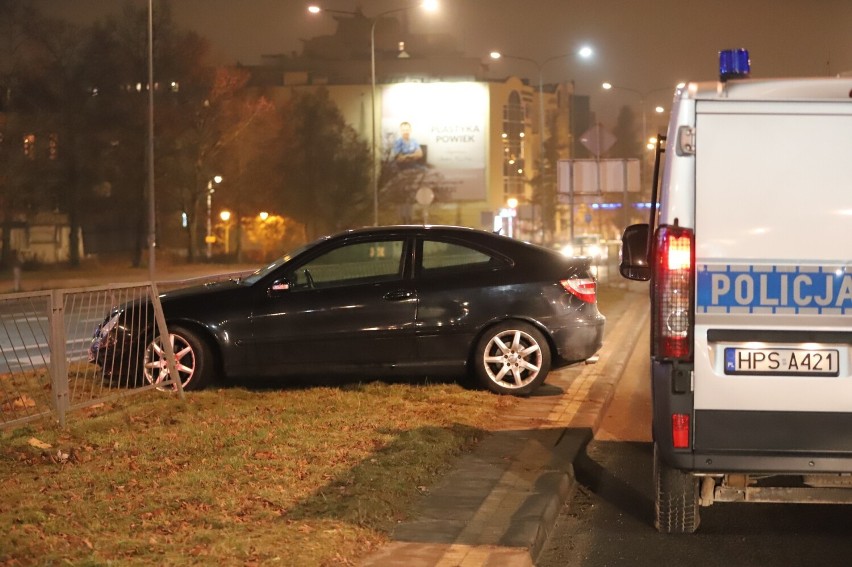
column 448, row 257
column 352, row 263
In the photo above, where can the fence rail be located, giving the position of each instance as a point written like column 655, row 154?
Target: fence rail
column 45, row 339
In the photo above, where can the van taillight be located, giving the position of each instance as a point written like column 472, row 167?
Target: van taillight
column 680, row 430
column 673, row 288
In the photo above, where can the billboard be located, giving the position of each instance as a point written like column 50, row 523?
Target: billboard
column 449, row 121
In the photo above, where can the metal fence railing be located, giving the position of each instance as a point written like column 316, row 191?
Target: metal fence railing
column 45, row 357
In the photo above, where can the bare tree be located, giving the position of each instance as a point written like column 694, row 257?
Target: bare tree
column 325, row 166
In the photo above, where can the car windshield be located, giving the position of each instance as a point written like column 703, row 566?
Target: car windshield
column 262, row 272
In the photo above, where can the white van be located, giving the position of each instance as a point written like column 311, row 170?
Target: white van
column 749, row 255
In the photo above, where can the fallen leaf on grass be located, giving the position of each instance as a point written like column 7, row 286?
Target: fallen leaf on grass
column 22, row 401
column 39, row 444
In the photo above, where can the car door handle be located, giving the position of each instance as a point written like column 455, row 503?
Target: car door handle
column 398, row 295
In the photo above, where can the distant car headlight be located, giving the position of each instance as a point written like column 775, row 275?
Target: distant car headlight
column 594, row 250
column 567, row 250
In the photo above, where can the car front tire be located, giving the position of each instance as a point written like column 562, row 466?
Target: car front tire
column 193, row 357
column 512, row 357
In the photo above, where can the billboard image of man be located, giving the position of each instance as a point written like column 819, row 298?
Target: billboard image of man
column 406, row 152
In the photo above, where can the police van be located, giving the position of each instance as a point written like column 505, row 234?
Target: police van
column 748, row 251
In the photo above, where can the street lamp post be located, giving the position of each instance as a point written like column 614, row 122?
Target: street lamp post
column 428, row 5
column 209, row 238
column 152, row 208
column 584, row 52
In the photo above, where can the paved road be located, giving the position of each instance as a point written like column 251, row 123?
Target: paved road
column 25, row 328
column 609, row 521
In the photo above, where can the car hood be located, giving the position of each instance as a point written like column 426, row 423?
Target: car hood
column 202, row 291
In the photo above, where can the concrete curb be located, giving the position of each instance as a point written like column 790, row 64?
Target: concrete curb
column 500, row 503
column 586, row 421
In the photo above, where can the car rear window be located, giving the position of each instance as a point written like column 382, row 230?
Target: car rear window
column 442, row 257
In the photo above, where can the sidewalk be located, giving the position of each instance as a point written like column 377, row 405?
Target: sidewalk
column 497, row 507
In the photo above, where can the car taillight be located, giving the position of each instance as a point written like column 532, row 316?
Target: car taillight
column 582, row 288
column 673, row 289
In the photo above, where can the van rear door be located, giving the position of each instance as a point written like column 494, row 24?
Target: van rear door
column 773, row 308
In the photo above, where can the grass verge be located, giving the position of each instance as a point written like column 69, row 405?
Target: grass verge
column 314, row 476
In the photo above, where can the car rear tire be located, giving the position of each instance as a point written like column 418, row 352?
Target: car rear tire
column 194, row 358
column 675, row 499
column 512, row 357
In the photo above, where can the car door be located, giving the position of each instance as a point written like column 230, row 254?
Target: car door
column 348, row 307
column 458, row 291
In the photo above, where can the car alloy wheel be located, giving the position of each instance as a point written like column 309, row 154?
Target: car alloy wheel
column 193, row 360
column 512, row 358
column 156, row 369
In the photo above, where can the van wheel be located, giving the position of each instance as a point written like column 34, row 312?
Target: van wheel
column 675, row 499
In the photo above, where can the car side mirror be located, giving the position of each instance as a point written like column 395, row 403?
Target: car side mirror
column 279, row 286
column 634, row 253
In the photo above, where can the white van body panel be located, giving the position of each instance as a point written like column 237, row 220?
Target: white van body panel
column 677, row 202
column 772, row 179
column 762, row 184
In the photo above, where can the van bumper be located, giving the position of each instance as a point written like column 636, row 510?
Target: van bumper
column 725, row 441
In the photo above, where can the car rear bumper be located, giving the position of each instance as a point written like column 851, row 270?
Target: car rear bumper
column 580, row 340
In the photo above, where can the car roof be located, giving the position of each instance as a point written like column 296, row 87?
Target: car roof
column 493, row 240
column 415, row 228
column 464, row 232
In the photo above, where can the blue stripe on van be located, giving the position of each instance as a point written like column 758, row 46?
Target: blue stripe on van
column 822, row 290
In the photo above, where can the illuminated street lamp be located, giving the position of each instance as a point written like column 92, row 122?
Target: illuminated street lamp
column 209, row 238
column 584, row 52
column 429, row 6
column 225, row 215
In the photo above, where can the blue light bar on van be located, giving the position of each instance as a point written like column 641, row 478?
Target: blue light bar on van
column 734, row 64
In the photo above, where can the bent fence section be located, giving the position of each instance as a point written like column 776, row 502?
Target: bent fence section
column 46, row 365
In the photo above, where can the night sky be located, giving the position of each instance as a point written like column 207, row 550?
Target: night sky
column 644, row 45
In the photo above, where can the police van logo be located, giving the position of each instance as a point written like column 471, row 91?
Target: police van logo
column 817, row 289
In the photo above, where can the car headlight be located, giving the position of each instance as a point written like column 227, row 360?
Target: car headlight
column 594, row 250
column 105, row 328
column 568, row 250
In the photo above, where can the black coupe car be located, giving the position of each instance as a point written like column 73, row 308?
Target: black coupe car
column 377, row 302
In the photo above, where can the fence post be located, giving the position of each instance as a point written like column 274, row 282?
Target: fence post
column 165, row 339
column 58, row 355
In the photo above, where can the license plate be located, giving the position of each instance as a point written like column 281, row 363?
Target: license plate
column 782, row 361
